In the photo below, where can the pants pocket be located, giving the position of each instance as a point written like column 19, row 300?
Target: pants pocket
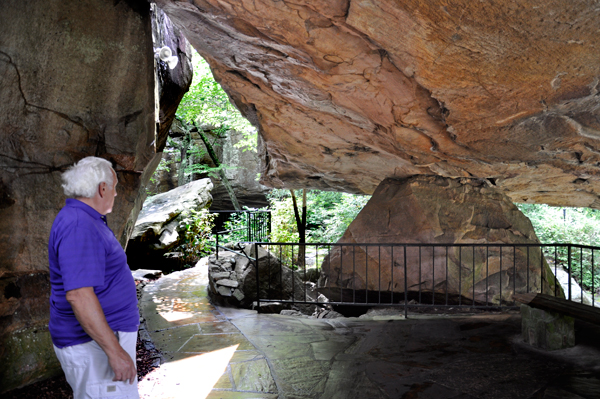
column 112, row 390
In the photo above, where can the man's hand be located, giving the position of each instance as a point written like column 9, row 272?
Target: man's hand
column 123, row 366
column 89, row 313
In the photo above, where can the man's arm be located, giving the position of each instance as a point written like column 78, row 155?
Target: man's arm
column 89, row 313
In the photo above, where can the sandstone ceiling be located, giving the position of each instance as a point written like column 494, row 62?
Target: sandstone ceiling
column 349, row 92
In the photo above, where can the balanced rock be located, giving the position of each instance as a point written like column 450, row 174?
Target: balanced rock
column 347, row 93
column 437, row 210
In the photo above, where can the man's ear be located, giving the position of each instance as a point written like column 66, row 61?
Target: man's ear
column 101, row 189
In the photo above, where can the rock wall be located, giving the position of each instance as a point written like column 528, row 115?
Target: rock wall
column 346, row 93
column 242, row 172
column 243, row 176
column 170, row 86
column 437, row 210
column 77, row 78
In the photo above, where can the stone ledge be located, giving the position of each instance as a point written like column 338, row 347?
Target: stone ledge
column 546, row 329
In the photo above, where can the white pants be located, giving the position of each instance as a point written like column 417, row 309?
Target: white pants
column 88, row 372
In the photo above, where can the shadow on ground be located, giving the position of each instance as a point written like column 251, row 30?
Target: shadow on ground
column 217, row 352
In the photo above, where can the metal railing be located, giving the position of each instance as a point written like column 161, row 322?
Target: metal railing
column 424, row 275
column 254, row 225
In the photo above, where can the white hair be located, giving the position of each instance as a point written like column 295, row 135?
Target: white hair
column 83, row 178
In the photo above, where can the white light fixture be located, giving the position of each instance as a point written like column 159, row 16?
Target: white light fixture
column 165, row 54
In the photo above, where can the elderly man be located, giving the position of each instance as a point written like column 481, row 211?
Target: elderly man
column 93, row 305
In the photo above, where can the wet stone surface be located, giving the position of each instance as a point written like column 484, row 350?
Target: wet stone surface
column 227, row 353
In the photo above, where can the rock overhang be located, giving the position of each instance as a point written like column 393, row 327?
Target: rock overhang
column 347, row 93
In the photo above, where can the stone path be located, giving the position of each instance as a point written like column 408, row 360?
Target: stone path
column 214, row 352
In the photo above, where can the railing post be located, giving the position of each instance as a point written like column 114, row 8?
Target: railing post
column 460, row 275
column 269, row 226
column 248, row 234
column 257, row 277
column 405, row 286
column 569, row 261
column 217, row 246
column 593, row 282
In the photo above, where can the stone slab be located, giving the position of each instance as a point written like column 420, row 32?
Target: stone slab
column 173, row 313
column 220, row 275
column 254, row 376
column 224, row 291
column 172, row 339
column 220, row 394
column 228, row 283
column 211, row 342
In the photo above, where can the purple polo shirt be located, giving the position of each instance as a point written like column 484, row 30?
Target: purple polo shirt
column 83, row 252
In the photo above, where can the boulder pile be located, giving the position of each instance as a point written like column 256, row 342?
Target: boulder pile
column 233, row 281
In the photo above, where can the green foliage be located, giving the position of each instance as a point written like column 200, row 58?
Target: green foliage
column 197, row 238
column 201, row 168
column 338, row 217
column 206, row 103
column 238, row 228
column 328, row 215
column 569, row 225
column 283, row 221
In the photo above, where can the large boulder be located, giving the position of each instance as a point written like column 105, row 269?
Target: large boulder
column 158, row 229
column 170, row 85
column 77, row 78
column 436, row 210
column 346, row 93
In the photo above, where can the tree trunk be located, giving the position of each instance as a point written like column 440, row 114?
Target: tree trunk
column 301, row 225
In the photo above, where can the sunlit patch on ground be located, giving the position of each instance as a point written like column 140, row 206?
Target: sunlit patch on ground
column 195, row 376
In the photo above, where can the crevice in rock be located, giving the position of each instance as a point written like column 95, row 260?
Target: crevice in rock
column 28, row 104
column 243, row 77
column 12, row 291
column 33, row 166
column 347, row 10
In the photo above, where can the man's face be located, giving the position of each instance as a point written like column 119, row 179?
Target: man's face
column 109, row 192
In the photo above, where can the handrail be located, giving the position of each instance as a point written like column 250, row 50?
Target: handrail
column 257, row 226
column 238, row 253
column 518, row 262
column 376, row 244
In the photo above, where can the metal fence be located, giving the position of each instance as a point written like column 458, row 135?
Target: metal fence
column 424, row 275
column 248, row 226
